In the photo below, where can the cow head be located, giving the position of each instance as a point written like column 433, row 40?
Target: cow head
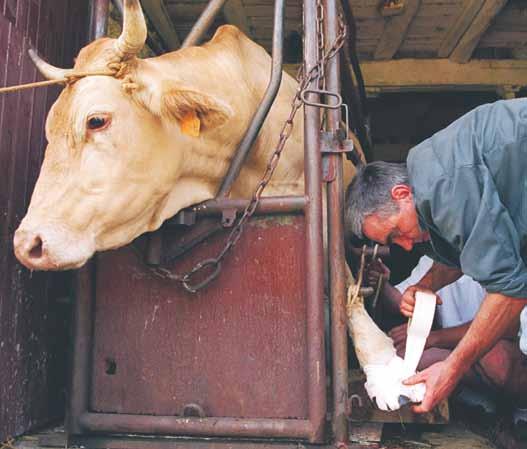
column 117, row 161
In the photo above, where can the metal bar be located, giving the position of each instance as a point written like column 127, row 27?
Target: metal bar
column 173, row 425
column 265, row 105
column 98, row 18
column 203, row 24
column 382, row 251
column 271, row 205
column 105, row 442
column 336, row 253
column 154, row 46
column 356, row 94
column 119, row 5
column 313, row 238
column 78, row 394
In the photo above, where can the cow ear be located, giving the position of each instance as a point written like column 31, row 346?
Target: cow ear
column 179, row 103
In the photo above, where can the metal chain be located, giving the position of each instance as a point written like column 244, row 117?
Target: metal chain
column 321, row 42
column 8, row 444
column 214, row 264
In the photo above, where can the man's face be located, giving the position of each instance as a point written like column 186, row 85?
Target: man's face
column 401, row 228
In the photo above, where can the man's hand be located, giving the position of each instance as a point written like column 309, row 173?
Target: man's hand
column 408, row 299
column 440, row 380
column 375, row 270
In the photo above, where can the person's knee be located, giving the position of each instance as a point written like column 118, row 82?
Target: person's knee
column 497, row 364
column 431, row 356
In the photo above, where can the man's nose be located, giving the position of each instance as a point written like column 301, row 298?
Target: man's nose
column 405, row 243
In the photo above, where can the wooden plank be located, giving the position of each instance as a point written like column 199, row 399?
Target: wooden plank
column 433, row 74
column 158, row 15
column 464, row 49
column 395, row 31
column 459, row 28
column 504, row 39
column 31, row 336
column 235, row 14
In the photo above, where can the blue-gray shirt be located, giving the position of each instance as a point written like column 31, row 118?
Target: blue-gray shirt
column 470, row 187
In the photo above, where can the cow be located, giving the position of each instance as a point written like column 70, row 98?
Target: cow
column 119, row 162
column 127, row 151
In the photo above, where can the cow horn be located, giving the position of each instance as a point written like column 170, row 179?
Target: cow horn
column 48, row 71
column 133, row 37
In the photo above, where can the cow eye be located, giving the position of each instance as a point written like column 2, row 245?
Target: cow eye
column 97, row 122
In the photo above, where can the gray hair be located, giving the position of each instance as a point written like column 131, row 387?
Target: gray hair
column 370, row 193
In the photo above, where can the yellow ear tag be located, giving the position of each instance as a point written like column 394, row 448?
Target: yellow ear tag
column 190, row 124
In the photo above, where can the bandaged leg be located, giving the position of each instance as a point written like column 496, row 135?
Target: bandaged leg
column 384, row 370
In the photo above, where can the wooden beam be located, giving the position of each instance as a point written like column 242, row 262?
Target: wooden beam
column 454, row 34
column 464, row 49
column 395, row 30
column 158, row 15
column 235, row 14
column 404, row 75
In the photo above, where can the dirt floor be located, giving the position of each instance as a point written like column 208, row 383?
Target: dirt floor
column 466, row 430
column 450, row 436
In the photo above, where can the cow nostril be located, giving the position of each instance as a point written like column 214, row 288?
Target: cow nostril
column 36, row 250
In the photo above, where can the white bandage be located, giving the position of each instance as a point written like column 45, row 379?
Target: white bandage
column 419, row 329
column 385, row 381
column 523, row 330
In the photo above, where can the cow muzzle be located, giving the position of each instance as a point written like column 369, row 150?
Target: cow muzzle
column 52, row 247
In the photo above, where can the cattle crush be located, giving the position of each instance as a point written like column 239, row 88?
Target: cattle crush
column 238, row 352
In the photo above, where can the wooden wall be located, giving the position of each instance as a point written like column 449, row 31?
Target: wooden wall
column 33, row 340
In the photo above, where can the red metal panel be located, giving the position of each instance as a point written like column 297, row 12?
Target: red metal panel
column 237, row 349
column 32, row 336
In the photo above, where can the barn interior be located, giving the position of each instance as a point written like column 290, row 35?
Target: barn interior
column 424, row 63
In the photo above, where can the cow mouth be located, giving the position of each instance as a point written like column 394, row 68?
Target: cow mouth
column 51, row 248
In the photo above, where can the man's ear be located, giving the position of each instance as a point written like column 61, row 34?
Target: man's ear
column 401, row 192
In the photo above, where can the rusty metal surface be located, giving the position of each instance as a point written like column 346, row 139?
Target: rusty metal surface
column 98, row 18
column 313, row 235
column 271, row 91
column 32, row 332
column 236, row 349
column 118, row 423
column 337, row 277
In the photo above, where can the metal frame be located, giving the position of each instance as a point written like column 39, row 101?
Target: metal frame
column 84, row 423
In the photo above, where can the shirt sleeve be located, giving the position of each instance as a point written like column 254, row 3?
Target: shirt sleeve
column 469, row 214
column 417, row 274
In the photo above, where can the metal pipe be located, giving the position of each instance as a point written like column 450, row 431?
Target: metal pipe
column 313, row 237
column 119, row 5
column 336, row 251
column 265, row 105
column 173, row 425
column 271, row 205
column 98, row 18
column 78, row 391
column 355, row 94
column 154, row 46
column 203, row 23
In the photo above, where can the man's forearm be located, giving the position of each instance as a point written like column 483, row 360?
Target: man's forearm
column 392, row 298
column 449, row 337
column 497, row 316
column 438, row 276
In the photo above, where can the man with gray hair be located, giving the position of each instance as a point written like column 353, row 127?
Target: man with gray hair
column 463, row 195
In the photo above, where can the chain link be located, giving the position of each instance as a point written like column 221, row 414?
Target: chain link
column 304, row 80
column 8, row 444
